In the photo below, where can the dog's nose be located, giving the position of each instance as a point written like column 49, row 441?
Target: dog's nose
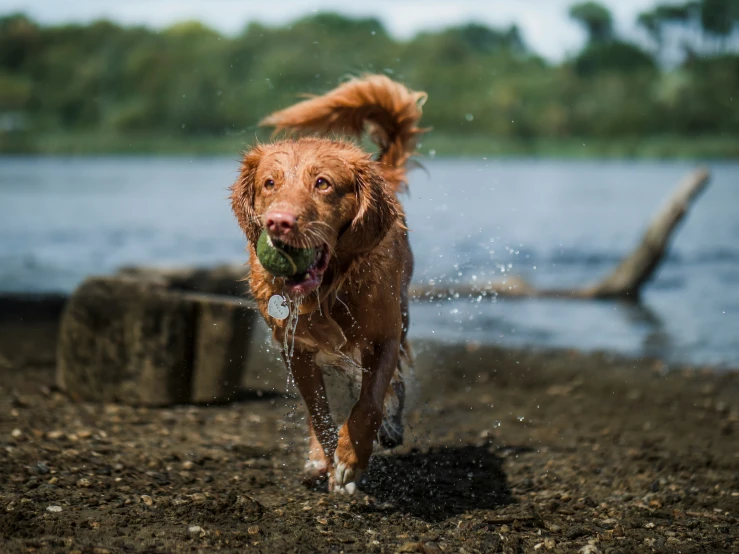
column 280, row 223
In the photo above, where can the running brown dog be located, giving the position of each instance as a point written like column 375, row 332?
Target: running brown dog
column 350, row 308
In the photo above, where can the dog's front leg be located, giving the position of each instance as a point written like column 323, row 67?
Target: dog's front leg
column 309, row 380
column 356, row 436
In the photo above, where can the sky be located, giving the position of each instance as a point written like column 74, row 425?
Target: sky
column 544, row 23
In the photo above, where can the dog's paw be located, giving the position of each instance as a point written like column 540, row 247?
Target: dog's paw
column 316, row 470
column 344, row 477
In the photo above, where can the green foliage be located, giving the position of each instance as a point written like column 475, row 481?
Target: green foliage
column 596, row 19
column 615, row 56
column 189, row 87
column 697, row 26
column 719, row 16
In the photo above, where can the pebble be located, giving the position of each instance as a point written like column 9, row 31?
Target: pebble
column 609, row 523
column 146, row 499
column 15, row 433
column 196, row 530
column 548, row 543
column 54, row 509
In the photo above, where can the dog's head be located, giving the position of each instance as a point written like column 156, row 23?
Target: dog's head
column 314, row 193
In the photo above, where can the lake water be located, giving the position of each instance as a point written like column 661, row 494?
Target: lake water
column 555, row 223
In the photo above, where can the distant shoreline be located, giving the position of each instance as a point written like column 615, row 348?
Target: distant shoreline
column 434, row 145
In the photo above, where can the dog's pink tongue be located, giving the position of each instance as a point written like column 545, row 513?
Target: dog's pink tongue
column 307, row 284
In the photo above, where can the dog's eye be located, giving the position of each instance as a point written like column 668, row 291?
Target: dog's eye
column 322, row 184
column 269, row 184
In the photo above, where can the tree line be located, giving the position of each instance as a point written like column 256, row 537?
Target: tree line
column 189, row 80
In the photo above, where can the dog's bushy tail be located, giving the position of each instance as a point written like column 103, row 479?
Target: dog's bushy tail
column 387, row 110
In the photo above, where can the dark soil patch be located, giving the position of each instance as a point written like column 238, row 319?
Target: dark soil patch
column 508, row 451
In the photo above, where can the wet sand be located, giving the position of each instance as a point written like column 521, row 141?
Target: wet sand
column 507, row 451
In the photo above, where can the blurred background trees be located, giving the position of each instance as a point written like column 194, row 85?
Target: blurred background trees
column 188, row 81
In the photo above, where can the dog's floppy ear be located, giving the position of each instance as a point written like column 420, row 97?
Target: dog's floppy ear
column 377, row 210
column 243, row 193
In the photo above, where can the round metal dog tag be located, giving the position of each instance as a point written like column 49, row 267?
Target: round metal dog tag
column 277, row 307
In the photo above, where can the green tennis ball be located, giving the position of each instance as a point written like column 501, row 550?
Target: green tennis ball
column 282, row 260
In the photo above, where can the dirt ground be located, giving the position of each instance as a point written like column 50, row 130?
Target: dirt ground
column 507, row 451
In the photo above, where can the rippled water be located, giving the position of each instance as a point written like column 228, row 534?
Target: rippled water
column 554, row 223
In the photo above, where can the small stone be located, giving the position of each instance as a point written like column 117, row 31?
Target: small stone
column 16, row 433
column 649, row 525
column 187, row 465
column 54, row 509
column 609, row 523
column 196, row 530
column 253, row 529
column 41, row 468
column 576, row 532
column 84, row 483
column 146, row 499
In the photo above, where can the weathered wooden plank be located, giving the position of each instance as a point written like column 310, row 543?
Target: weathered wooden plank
column 138, row 342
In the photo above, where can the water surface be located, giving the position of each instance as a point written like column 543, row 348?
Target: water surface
column 555, row 223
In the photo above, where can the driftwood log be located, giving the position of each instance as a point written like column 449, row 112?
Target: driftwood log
column 137, row 342
column 624, row 283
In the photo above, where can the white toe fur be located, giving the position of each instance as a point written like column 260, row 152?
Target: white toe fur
column 345, row 477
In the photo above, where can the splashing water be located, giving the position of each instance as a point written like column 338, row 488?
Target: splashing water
column 291, row 326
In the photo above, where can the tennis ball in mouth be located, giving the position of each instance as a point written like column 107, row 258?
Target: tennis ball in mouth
column 282, row 260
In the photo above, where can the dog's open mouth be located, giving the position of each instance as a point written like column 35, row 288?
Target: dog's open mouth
column 310, row 280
